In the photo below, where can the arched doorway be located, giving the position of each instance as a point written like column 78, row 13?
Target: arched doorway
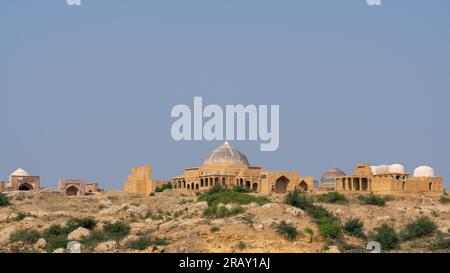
column 248, row 185
column 430, row 186
column 196, row 186
column 188, row 187
column 72, row 191
column 255, row 187
column 303, row 186
column 25, row 187
column 281, row 184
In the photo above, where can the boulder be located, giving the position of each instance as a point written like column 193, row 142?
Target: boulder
column 198, row 207
column 333, row 249
column 443, row 229
column 74, row 247
column 137, row 211
column 78, row 234
column 296, row 212
column 59, row 250
column 106, row 246
column 108, row 211
column 138, row 228
column 128, row 239
column 5, row 234
column 40, row 244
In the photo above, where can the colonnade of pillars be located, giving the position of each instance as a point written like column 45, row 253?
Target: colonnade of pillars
column 353, row 184
column 209, row 182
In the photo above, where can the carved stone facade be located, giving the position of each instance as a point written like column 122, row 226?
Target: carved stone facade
column 20, row 180
column 383, row 180
column 228, row 167
column 140, row 181
column 72, row 187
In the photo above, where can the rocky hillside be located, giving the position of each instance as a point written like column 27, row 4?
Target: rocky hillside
column 174, row 222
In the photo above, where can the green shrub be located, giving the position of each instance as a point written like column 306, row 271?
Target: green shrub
column 22, row 215
column 239, row 188
column 54, row 230
column 28, row 236
column 241, row 245
column 159, row 241
column 152, row 194
column 310, row 232
column 319, row 214
column 94, row 239
column 222, row 211
column 296, row 199
column 419, row 228
column 386, row 236
column 167, row 186
column 57, row 241
column 444, row 200
column 229, row 197
column 140, row 244
column 329, row 229
column 372, row 199
column 327, row 224
column 215, row 229
column 85, row 222
column 4, row 200
column 332, row 198
column 288, row 231
column 441, row 242
column 117, row 230
column 354, row 227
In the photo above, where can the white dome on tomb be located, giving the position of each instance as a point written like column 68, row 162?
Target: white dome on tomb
column 19, row 172
column 374, row 170
column 424, row 171
column 383, row 169
column 396, row 168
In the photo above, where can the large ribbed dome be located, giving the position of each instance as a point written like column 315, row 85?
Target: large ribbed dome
column 226, row 153
column 331, row 174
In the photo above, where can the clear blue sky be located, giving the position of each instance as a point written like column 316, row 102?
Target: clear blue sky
column 86, row 92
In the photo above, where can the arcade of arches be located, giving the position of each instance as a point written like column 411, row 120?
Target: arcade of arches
column 228, row 167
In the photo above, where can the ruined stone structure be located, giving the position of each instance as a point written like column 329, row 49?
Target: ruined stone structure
column 391, row 179
column 72, row 187
column 21, row 180
column 228, row 167
column 76, row 187
column 140, row 181
column 93, row 188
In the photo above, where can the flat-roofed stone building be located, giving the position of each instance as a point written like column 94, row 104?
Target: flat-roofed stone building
column 391, row 179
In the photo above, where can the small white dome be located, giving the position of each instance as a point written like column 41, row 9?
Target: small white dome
column 19, row 172
column 424, row 171
column 374, row 170
column 396, row 168
column 383, row 169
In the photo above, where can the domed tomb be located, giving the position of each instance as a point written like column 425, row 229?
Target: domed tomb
column 226, row 154
column 424, row 171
